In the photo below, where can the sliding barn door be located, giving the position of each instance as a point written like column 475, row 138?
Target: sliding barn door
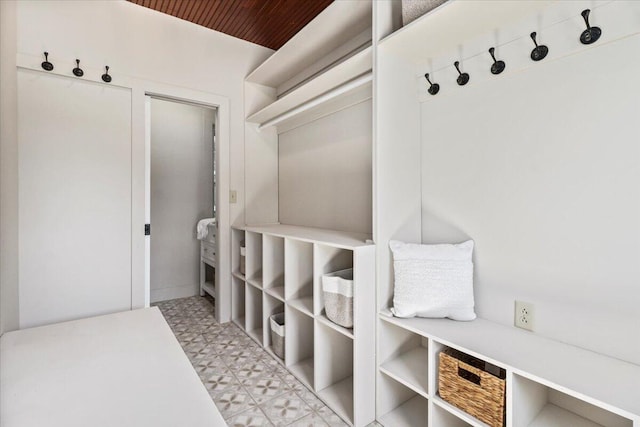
column 74, row 198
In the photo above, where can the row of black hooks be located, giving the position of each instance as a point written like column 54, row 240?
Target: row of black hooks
column 78, row 72
column 539, row 52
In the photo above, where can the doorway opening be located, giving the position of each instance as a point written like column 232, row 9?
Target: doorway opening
column 183, row 199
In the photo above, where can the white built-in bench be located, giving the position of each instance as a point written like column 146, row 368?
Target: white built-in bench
column 123, row 369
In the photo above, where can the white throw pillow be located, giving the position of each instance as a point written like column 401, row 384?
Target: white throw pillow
column 433, row 280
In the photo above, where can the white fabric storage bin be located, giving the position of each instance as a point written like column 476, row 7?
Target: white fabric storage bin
column 337, row 289
column 277, row 334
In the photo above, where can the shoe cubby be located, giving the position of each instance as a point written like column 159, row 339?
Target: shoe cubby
column 270, row 307
column 442, row 418
column 404, row 357
column 254, row 258
column 400, row 406
column 298, row 275
column 237, row 243
column 328, row 259
column 273, row 266
column 253, row 316
column 334, row 370
column 299, row 345
column 238, row 302
column 538, row 405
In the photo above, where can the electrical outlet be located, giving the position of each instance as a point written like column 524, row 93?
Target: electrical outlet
column 524, row 315
column 233, row 196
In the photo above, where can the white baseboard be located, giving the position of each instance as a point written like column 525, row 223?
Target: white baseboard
column 174, row 292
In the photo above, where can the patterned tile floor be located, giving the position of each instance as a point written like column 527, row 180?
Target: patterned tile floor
column 248, row 386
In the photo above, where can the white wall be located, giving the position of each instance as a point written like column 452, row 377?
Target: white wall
column 325, row 172
column 541, row 168
column 181, row 194
column 156, row 51
column 8, row 170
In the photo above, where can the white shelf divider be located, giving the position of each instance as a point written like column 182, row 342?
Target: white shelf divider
column 276, row 292
column 304, row 305
column 322, row 317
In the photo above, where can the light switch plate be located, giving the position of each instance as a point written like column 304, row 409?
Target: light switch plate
column 233, row 196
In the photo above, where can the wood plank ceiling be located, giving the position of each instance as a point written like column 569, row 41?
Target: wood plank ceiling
column 269, row 23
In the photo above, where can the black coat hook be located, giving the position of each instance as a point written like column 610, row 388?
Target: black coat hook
column 433, row 87
column 106, row 77
column 498, row 66
column 46, row 65
column 591, row 34
column 539, row 52
column 463, row 78
column 78, row 71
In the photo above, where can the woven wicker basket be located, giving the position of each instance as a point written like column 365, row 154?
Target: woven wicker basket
column 464, row 382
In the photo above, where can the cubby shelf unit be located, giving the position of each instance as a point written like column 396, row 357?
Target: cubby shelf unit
column 337, row 363
column 548, row 384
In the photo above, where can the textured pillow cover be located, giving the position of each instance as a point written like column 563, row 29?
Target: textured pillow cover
column 433, row 280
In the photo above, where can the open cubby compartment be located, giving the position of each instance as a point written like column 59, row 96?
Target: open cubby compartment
column 400, row 406
column 298, row 275
column 442, row 418
column 270, row 306
column 238, row 302
column 254, row 258
column 328, row 259
column 253, row 319
column 539, row 405
column 273, row 266
column 404, row 356
column 299, row 345
column 334, row 371
column 237, row 241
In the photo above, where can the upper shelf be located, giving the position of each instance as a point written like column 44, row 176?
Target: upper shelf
column 346, row 71
column 456, row 21
column 338, row 23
